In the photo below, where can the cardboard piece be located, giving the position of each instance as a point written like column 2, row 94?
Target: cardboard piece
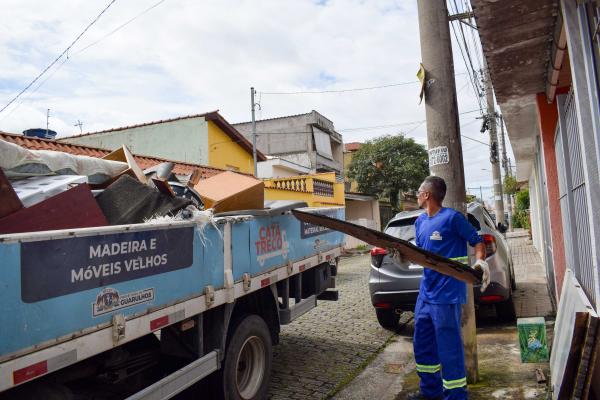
column 408, row 251
column 229, row 191
column 9, row 200
column 124, row 155
column 74, row 208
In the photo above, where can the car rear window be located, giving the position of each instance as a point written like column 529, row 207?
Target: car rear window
column 404, row 229
column 474, row 222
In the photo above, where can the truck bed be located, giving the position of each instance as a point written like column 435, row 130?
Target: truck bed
column 68, row 295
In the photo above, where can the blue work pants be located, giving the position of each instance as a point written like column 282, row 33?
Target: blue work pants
column 439, row 350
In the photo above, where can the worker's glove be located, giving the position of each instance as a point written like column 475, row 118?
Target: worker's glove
column 398, row 259
column 483, row 267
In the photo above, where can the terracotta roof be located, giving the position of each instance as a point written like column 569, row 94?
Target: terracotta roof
column 34, row 143
column 213, row 116
column 352, row 146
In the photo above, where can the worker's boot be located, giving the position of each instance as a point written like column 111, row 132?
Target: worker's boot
column 419, row 396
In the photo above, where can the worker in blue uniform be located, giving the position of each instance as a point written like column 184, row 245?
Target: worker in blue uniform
column 438, row 346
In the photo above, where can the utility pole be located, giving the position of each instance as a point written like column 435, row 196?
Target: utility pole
column 507, row 171
column 47, row 121
column 443, row 136
column 252, row 91
column 496, row 175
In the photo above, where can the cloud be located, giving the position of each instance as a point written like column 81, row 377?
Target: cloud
column 186, row 57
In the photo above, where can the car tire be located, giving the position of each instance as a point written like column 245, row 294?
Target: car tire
column 388, row 319
column 246, row 370
column 505, row 310
column 513, row 282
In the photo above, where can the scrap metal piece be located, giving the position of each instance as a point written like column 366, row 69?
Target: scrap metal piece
column 409, row 251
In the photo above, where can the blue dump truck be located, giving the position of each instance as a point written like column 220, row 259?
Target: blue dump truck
column 146, row 311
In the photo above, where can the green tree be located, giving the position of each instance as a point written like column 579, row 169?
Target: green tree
column 521, row 216
column 510, row 185
column 389, row 164
column 471, row 198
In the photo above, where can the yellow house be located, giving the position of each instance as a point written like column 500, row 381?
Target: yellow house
column 317, row 190
column 204, row 139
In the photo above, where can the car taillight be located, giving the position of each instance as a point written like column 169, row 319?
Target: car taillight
column 490, row 244
column 383, row 305
column 378, row 251
column 490, row 299
column 377, row 254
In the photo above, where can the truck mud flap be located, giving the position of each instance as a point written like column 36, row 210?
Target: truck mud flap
column 289, row 314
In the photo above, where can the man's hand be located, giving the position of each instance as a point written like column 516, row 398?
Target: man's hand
column 483, row 267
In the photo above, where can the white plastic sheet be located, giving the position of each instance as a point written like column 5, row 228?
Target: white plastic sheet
column 19, row 162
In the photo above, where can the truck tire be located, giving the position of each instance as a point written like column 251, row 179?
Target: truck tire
column 246, row 369
column 388, row 319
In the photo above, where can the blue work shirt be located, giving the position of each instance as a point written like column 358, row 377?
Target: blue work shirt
column 446, row 234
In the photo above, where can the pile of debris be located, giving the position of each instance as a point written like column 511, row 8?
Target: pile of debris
column 43, row 190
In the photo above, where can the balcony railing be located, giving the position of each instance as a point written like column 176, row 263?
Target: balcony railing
column 322, row 188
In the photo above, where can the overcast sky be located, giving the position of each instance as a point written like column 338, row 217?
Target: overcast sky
column 186, row 57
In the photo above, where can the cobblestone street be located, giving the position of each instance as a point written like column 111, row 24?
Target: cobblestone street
column 325, row 347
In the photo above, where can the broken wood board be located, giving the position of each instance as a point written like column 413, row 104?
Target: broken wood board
column 572, row 330
column 408, row 251
column 74, row 208
column 123, row 154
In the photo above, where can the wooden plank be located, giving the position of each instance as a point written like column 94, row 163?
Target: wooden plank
column 74, row 208
column 408, row 251
column 588, row 359
column 567, row 385
column 9, row 201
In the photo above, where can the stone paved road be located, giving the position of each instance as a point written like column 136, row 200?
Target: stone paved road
column 329, row 345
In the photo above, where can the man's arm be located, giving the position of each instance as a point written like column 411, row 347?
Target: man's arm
column 480, row 251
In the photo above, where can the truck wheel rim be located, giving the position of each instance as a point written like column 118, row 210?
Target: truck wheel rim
column 250, row 367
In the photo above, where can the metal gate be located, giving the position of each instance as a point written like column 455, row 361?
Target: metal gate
column 545, row 217
column 573, row 201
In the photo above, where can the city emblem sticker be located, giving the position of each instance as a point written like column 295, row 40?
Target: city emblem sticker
column 109, row 300
column 435, row 236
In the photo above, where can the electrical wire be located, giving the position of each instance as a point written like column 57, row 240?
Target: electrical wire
column 349, row 90
column 123, row 25
column 59, row 56
column 346, row 90
column 468, row 65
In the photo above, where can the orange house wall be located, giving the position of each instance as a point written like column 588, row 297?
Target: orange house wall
column 548, row 118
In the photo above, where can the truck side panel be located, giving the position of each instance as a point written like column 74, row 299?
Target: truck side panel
column 25, row 323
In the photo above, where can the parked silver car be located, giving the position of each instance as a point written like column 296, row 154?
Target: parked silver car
column 395, row 289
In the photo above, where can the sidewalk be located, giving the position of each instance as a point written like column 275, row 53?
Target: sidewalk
column 392, row 374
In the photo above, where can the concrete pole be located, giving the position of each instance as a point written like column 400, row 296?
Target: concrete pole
column 253, row 131
column 496, row 174
column 507, row 171
column 443, row 136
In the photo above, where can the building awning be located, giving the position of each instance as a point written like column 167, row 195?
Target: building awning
column 516, row 37
column 359, row 197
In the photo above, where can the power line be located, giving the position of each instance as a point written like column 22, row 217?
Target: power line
column 468, row 65
column 345, row 90
column 31, row 92
column 118, row 28
column 349, row 90
column 59, row 57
